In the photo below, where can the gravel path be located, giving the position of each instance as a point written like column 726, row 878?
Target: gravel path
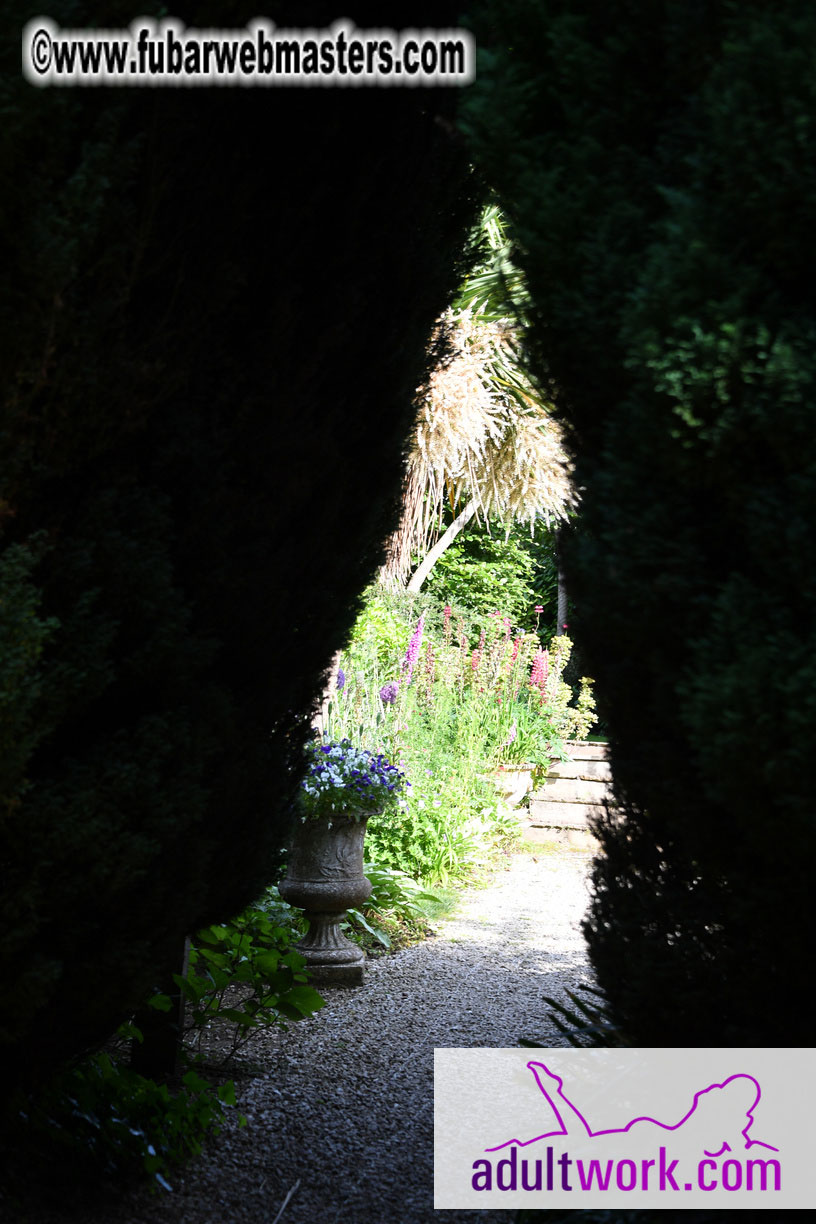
column 340, row 1107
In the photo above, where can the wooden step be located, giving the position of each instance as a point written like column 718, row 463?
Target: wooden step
column 593, row 770
column 581, row 750
column 571, row 790
column 562, row 815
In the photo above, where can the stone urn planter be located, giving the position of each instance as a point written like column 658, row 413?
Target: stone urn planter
column 342, row 787
column 324, row 877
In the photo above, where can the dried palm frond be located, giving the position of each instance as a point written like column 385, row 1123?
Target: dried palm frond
column 483, row 435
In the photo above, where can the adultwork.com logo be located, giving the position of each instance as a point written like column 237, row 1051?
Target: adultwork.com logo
column 712, row 1120
column 623, row 1127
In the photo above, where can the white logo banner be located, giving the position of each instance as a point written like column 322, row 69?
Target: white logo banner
column 677, row 1128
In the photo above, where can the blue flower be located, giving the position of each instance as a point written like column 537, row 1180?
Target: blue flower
column 352, row 779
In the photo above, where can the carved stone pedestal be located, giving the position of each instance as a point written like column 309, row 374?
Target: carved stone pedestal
column 324, row 877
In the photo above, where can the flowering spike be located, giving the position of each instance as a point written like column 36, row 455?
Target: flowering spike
column 412, row 653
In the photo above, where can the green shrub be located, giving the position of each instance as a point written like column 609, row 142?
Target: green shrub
column 482, row 571
column 247, row 974
column 655, row 166
column 101, row 1120
column 203, row 410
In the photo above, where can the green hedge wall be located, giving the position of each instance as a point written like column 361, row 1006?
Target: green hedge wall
column 213, row 314
column 657, row 163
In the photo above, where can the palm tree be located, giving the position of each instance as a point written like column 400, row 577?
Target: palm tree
column 484, row 439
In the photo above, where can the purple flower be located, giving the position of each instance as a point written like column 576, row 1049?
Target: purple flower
column 341, row 679
column 388, row 692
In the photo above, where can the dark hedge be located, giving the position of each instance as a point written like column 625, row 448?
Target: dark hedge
column 214, row 310
column 656, row 161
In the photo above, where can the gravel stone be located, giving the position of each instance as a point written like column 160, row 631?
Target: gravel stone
column 339, row 1107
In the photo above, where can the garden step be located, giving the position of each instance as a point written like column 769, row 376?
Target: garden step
column 580, row 750
column 544, row 812
column 573, row 793
column 571, row 790
column 591, row 770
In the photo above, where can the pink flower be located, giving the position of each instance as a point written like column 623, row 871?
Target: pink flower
column 412, row 653
column 540, row 670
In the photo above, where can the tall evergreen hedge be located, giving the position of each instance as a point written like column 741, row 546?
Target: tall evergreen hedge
column 214, row 309
column 657, row 163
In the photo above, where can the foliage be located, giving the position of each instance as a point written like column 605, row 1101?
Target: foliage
column 23, row 635
column 450, row 710
column 483, row 433
column 158, row 413
column 489, row 566
column 483, row 572
column 395, row 890
column 656, row 169
column 101, row 1119
column 397, row 909
column 494, row 288
column 485, row 438
column 246, row 973
column 346, row 781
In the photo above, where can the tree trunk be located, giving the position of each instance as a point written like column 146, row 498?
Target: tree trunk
column 562, row 602
column 445, row 540
column 561, row 614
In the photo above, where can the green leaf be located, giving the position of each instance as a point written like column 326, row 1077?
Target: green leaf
column 306, row 999
column 130, row 1032
column 375, row 932
column 190, row 988
column 160, row 1002
column 288, row 1011
column 281, row 981
column 226, row 1093
column 267, row 962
